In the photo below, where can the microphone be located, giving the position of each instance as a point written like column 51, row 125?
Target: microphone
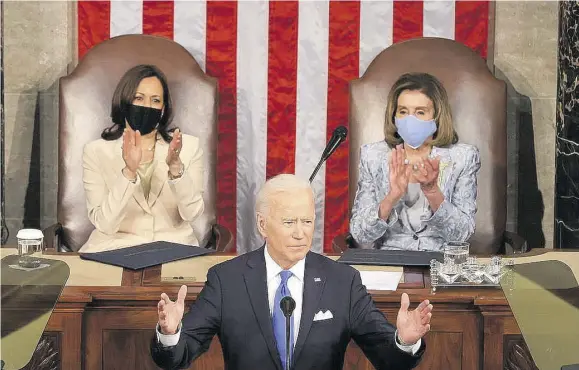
column 338, row 137
column 287, row 306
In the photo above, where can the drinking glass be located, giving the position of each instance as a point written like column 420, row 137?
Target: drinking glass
column 457, row 252
column 30, row 243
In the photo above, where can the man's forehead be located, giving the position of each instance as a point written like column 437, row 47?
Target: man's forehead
column 294, row 204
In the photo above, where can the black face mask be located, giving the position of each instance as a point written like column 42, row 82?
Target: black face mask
column 144, row 119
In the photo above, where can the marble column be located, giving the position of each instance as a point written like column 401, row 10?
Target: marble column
column 567, row 150
column 2, row 192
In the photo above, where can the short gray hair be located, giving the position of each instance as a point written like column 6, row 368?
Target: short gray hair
column 276, row 184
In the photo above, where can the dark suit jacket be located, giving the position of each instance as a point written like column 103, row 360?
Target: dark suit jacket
column 234, row 305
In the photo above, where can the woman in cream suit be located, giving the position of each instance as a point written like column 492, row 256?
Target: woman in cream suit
column 418, row 187
column 142, row 182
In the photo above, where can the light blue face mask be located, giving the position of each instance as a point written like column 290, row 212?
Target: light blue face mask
column 414, row 131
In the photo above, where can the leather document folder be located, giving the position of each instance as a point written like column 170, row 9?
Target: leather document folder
column 146, row 255
column 381, row 257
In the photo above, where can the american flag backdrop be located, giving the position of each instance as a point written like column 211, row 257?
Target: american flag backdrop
column 283, row 69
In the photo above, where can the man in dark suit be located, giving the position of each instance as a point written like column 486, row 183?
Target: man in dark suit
column 241, row 298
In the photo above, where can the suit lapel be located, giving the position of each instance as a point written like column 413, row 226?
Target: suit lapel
column 159, row 177
column 314, row 282
column 256, row 284
column 445, row 167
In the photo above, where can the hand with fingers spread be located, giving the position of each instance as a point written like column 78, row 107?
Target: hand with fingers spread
column 131, row 153
column 427, row 174
column 399, row 173
column 413, row 324
column 171, row 313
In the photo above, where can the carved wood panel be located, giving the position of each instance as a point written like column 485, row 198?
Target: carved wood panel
column 127, row 349
column 356, row 359
column 516, row 354
column 47, row 353
column 130, row 349
column 443, row 351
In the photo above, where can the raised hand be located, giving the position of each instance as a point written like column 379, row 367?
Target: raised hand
column 171, row 313
column 427, row 173
column 399, row 173
column 175, row 146
column 131, row 151
column 413, row 325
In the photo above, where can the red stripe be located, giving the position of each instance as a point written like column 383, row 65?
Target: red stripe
column 472, row 25
column 94, row 18
column 282, row 87
column 343, row 66
column 408, row 17
column 158, row 18
column 221, row 60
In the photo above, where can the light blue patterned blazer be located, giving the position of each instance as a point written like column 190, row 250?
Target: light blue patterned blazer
column 454, row 220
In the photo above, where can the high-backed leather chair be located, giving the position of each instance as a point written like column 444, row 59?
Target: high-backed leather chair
column 478, row 103
column 85, row 105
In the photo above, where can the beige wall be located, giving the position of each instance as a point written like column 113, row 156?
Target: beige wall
column 39, row 41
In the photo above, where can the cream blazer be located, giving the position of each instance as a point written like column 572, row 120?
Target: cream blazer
column 118, row 209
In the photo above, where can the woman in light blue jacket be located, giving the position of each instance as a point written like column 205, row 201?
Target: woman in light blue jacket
column 417, row 188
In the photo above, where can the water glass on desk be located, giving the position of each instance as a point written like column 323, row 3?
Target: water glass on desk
column 457, row 252
column 30, row 242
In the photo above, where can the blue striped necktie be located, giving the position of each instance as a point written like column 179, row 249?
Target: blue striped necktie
column 279, row 318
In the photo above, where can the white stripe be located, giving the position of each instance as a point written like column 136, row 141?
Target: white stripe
column 126, row 17
column 189, row 26
column 311, row 104
column 376, row 25
column 252, row 61
column 438, row 19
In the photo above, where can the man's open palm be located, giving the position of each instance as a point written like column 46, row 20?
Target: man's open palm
column 413, row 325
column 171, row 313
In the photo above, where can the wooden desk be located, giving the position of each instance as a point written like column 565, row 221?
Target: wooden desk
column 111, row 327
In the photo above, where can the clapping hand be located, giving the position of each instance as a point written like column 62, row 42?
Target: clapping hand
column 413, row 325
column 175, row 146
column 426, row 173
column 171, row 313
column 399, row 173
column 131, row 152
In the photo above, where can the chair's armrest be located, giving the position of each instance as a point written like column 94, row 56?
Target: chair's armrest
column 339, row 243
column 52, row 236
column 64, row 249
column 343, row 242
column 513, row 243
column 222, row 239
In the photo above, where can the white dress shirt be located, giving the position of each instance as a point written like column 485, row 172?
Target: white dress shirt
column 295, row 284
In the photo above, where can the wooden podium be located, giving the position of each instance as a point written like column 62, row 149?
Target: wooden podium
column 105, row 318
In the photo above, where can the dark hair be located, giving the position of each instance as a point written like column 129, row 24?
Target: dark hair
column 434, row 90
column 124, row 96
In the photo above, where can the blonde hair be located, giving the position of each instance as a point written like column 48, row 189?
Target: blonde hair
column 431, row 87
column 277, row 184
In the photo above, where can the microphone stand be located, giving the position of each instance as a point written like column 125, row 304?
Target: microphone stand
column 316, row 170
column 287, row 306
column 338, row 137
column 287, row 341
